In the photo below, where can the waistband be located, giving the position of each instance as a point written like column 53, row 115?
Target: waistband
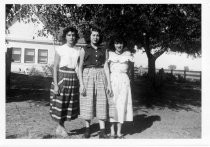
column 65, row 69
column 94, row 66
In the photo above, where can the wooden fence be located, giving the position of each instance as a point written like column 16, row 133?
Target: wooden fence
column 188, row 75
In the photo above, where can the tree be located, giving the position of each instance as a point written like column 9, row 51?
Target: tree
column 186, row 68
column 157, row 28
column 172, row 67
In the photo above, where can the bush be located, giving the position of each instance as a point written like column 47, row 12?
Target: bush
column 48, row 70
column 181, row 79
column 170, row 78
column 34, row 72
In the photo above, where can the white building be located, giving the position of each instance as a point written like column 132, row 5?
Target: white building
column 29, row 50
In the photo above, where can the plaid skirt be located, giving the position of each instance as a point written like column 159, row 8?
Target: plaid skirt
column 65, row 105
column 96, row 102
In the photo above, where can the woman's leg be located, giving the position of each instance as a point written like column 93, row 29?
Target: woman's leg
column 102, row 124
column 102, row 133
column 87, row 129
column 112, row 129
column 119, row 126
column 60, row 130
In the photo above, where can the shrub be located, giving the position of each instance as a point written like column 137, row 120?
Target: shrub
column 34, row 72
column 48, row 70
column 181, row 79
column 170, row 77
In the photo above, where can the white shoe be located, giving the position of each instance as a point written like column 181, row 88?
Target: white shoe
column 60, row 131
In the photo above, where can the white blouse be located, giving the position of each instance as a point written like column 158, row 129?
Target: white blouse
column 125, row 56
column 119, row 63
column 68, row 56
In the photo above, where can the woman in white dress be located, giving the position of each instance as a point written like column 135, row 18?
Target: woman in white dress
column 119, row 61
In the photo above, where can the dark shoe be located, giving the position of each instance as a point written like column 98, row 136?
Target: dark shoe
column 103, row 135
column 112, row 137
column 120, row 137
column 86, row 134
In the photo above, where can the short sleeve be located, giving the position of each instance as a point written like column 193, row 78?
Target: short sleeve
column 110, row 56
column 127, row 56
column 58, row 50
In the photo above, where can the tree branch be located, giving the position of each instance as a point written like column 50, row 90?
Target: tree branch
column 159, row 53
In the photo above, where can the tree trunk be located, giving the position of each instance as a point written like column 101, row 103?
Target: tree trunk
column 151, row 67
column 8, row 68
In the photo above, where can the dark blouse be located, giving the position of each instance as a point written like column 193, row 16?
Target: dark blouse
column 94, row 57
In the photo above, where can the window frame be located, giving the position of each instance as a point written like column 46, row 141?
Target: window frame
column 42, row 56
column 29, row 55
column 16, row 54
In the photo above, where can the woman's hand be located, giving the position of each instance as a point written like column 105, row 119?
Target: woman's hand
column 82, row 90
column 109, row 90
column 56, row 89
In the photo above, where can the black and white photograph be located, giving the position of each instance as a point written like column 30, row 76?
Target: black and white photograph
column 104, row 71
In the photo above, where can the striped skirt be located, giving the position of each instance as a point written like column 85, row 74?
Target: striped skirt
column 95, row 103
column 65, row 105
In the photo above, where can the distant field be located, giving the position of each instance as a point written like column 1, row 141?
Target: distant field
column 189, row 75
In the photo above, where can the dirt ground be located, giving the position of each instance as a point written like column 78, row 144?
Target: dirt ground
column 178, row 116
column 30, row 120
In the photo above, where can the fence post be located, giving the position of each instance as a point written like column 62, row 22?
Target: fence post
column 200, row 76
column 172, row 71
column 185, row 75
column 8, row 60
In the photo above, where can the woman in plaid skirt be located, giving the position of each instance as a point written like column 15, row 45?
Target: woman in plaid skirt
column 94, row 86
column 64, row 94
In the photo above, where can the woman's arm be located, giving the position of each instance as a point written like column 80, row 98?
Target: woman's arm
column 107, row 72
column 55, row 70
column 81, row 62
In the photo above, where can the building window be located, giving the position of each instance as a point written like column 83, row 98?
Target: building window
column 42, row 56
column 16, row 55
column 29, row 55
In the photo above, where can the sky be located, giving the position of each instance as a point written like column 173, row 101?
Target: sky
column 178, row 59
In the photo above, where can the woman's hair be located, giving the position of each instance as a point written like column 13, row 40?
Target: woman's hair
column 117, row 39
column 70, row 29
column 89, row 32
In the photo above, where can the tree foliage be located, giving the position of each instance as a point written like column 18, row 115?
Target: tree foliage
column 156, row 28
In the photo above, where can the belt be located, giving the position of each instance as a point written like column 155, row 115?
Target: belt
column 66, row 68
column 94, row 66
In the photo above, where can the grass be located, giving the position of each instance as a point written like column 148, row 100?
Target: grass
column 31, row 120
column 171, row 95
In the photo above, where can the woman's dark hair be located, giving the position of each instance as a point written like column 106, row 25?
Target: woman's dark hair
column 70, row 29
column 117, row 39
column 89, row 31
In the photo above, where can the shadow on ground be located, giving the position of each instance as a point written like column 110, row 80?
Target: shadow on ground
column 38, row 96
column 94, row 130
column 172, row 95
column 139, row 124
column 29, row 88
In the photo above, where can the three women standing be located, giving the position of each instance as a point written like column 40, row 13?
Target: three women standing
column 95, row 83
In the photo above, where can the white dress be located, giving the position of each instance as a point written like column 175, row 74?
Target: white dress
column 120, row 83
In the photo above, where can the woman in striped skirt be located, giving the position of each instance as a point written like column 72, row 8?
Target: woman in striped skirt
column 64, row 95
column 94, row 86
